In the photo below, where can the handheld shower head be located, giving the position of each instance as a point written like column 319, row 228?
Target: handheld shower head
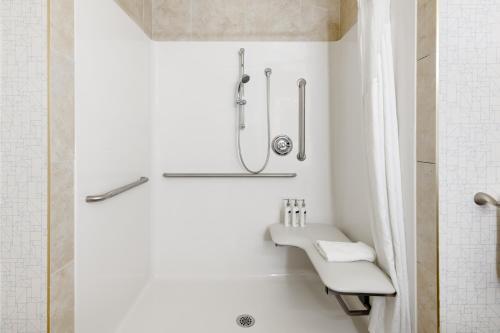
column 244, row 80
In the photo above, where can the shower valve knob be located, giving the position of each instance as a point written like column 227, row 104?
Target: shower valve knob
column 282, row 145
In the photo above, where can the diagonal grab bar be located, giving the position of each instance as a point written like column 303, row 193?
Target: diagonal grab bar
column 115, row 192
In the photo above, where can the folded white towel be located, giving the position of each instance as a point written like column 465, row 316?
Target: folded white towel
column 345, row 251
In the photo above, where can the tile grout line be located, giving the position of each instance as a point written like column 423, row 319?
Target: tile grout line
column 424, row 57
column 424, row 162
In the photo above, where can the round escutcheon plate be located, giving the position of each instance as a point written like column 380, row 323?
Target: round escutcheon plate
column 282, row 145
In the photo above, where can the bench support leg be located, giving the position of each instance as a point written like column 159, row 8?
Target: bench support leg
column 364, row 299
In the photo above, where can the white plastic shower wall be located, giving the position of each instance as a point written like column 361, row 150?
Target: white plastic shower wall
column 112, row 245
column 218, row 227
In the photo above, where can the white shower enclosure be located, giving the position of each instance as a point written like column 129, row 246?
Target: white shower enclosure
column 191, row 254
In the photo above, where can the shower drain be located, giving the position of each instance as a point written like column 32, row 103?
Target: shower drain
column 245, row 321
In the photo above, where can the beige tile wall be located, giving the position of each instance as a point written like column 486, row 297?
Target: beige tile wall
column 61, row 156
column 427, row 185
column 140, row 11
column 348, row 15
column 427, row 260
column 301, row 20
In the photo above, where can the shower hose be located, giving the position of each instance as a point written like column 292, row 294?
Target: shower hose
column 240, row 154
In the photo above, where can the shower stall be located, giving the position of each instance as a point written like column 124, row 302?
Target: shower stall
column 195, row 113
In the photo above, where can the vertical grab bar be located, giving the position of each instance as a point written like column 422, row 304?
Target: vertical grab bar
column 301, row 156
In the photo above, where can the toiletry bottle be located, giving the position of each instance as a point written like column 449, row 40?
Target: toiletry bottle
column 296, row 213
column 287, row 211
column 303, row 214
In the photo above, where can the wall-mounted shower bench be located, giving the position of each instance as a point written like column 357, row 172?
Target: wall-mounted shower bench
column 361, row 278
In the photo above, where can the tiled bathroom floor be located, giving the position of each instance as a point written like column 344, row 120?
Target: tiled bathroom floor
column 291, row 304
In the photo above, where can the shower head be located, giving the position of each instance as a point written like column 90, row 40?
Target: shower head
column 245, row 78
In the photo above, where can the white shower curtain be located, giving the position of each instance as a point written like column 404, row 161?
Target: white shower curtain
column 389, row 315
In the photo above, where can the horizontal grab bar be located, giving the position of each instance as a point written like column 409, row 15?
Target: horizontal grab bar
column 115, row 192
column 229, row 175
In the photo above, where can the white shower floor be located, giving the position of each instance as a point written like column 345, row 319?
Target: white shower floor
column 291, row 304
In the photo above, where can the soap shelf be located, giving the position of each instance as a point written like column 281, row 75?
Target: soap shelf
column 361, row 278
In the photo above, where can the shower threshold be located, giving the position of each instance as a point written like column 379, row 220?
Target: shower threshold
column 279, row 304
